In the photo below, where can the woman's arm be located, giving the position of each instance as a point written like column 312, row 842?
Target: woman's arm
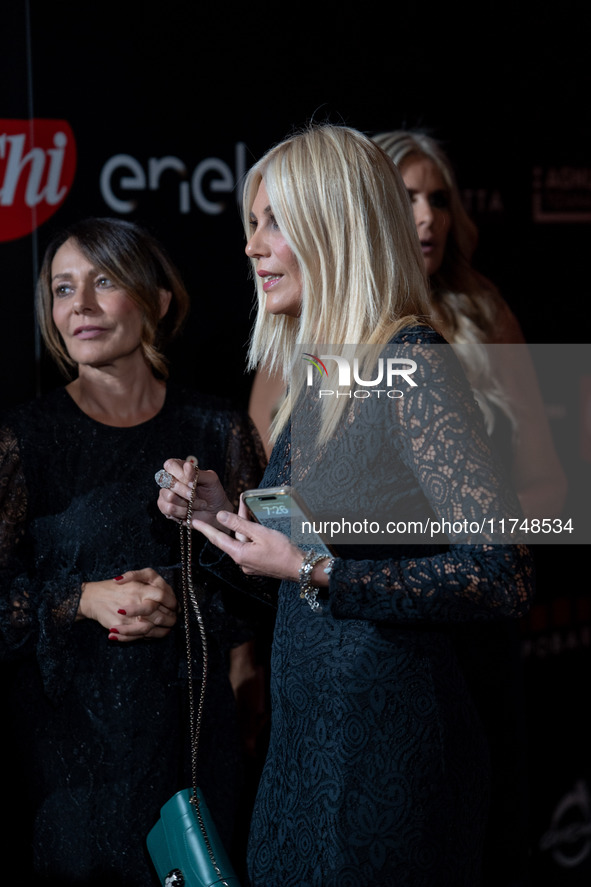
column 437, row 432
column 18, row 616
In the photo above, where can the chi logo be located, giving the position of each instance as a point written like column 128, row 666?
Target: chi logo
column 37, row 166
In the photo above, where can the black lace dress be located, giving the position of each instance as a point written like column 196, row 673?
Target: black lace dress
column 98, row 728
column 377, row 772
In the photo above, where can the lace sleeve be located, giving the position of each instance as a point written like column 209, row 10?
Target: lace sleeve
column 245, row 466
column 13, row 495
column 245, row 458
column 439, row 438
column 34, row 615
column 465, row 584
column 16, row 614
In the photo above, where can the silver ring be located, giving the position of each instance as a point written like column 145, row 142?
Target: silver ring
column 164, row 479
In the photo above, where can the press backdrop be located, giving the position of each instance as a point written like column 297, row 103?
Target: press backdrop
column 154, row 113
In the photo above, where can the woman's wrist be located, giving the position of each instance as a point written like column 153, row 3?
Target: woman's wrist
column 314, row 575
column 320, row 575
column 80, row 614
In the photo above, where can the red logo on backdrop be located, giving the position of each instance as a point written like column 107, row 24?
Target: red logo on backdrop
column 37, row 166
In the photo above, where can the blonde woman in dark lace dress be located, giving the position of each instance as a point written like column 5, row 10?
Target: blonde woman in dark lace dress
column 88, row 605
column 377, row 769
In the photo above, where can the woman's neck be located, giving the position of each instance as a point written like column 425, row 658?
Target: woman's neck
column 118, row 399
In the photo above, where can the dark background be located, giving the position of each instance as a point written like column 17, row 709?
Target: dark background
column 506, row 89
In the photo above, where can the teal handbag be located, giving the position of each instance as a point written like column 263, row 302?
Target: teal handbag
column 184, row 845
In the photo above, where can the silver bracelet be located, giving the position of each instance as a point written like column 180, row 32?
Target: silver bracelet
column 308, row 591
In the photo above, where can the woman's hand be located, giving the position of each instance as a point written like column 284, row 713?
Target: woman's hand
column 257, row 550
column 138, row 604
column 210, row 496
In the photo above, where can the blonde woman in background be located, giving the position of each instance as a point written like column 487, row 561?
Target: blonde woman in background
column 470, row 312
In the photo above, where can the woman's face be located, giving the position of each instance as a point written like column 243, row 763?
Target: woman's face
column 275, row 262
column 97, row 320
column 430, row 203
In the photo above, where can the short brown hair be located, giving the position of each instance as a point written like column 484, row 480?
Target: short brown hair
column 139, row 264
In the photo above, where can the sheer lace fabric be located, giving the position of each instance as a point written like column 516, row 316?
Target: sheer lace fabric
column 101, row 727
column 377, row 771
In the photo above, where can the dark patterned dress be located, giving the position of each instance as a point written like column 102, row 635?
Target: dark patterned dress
column 377, row 772
column 98, row 728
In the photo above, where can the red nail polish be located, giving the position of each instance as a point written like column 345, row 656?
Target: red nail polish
column 113, row 637
column 122, row 612
column 117, row 578
column 114, row 630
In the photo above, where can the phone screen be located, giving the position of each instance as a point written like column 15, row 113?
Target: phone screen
column 279, row 509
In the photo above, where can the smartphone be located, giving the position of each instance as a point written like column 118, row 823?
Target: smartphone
column 280, row 508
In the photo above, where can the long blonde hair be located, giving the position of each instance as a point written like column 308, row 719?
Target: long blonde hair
column 344, row 211
column 469, row 305
column 467, row 301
